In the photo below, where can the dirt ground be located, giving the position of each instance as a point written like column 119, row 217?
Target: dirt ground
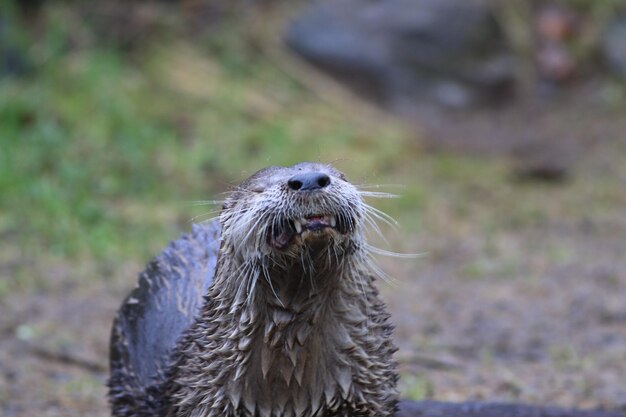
column 532, row 312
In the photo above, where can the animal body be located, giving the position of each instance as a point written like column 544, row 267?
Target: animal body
column 272, row 311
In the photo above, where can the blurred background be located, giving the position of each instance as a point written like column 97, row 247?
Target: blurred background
column 500, row 125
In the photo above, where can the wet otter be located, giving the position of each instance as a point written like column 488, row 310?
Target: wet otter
column 272, row 311
column 289, row 324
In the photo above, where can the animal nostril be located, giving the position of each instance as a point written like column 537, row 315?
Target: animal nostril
column 308, row 181
column 294, row 184
column 323, row 181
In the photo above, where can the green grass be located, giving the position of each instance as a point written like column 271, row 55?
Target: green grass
column 76, row 142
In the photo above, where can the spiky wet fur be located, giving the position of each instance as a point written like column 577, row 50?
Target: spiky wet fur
column 294, row 332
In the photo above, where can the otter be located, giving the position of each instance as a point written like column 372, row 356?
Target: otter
column 283, row 319
column 270, row 311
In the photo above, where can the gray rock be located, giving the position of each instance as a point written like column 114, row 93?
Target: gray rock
column 614, row 45
column 451, row 52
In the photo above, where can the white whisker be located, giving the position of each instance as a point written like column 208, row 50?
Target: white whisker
column 380, row 273
column 376, row 194
column 197, row 218
column 383, row 252
column 375, row 227
column 381, row 215
column 205, row 203
column 266, row 274
column 378, row 186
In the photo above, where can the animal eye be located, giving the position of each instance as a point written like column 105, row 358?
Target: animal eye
column 257, row 188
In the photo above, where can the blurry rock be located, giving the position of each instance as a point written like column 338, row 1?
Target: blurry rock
column 614, row 45
column 451, row 52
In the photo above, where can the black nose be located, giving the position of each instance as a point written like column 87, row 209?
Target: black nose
column 308, row 181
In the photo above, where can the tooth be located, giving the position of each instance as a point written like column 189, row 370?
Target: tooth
column 333, row 221
column 298, row 226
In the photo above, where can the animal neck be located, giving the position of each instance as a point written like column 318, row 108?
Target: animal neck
column 296, row 282
column 295, row 329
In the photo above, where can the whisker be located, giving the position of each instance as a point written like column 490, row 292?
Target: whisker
column 266, row 274
column 252, row 285
column 376, row 186
column 194, row 219
column 209, row 220
column 375, row 227
column 383, row 252
column 252, row 228
column 376, row 194
column 205, row 203
column 381, row 215
column 380, row 273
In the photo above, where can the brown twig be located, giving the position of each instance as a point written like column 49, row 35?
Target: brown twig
column 68, row 359
column 428, row 361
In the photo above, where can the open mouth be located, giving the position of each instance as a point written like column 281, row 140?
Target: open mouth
column 314, row 223
column 304, row 228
